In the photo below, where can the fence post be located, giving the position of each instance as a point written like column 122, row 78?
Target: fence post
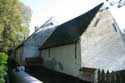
column 118, row 78
column 113, row 77
column 122, row 74
column 96, row 76
column 99, row 76
column 107, row 77
column 103, row 76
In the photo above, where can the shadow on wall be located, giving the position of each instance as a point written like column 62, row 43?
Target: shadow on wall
column 53, row 64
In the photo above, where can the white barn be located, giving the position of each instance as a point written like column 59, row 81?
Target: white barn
column 79, row 50
column 79, row 46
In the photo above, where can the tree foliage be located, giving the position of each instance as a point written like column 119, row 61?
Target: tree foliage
column 118, row 3
column 13, row 16
column 26, row 17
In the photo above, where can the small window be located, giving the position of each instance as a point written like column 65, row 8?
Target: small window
column 75, row 50
column 114, row 26
column 49, row 52
column 124, row 30
column 97, row 21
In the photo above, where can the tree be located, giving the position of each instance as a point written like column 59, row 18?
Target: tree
column 118, row 3
column 26, row 15
column 11, row 23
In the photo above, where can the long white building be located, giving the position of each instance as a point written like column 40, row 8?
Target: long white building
column 77, row 47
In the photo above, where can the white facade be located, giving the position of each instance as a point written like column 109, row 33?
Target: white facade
column 65, row 59
column 100, row 46
column 18, row 55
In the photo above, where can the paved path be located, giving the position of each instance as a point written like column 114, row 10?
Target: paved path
column 48, row 76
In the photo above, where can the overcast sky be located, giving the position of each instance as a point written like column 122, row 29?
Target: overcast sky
column 61, row 10
column 118, row 14
column 64, row 10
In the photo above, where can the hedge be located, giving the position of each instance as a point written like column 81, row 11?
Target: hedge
column 3, row 67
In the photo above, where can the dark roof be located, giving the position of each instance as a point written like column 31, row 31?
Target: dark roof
column 70, row 31
column 20, row 45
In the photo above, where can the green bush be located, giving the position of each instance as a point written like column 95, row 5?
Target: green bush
column 3, row 66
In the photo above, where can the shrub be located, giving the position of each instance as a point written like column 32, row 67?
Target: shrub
column 3, row 66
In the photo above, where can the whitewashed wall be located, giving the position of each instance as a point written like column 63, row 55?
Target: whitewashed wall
column 29, row 51
column 34, row 42
column 63, row 59
column 102, row 47
column 18, row 54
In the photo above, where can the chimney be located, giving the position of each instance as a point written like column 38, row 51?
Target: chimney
column 36, row 28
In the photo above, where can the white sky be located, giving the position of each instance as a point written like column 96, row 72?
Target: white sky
column 119, row 15
column 64, row 10
column 61, row 10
